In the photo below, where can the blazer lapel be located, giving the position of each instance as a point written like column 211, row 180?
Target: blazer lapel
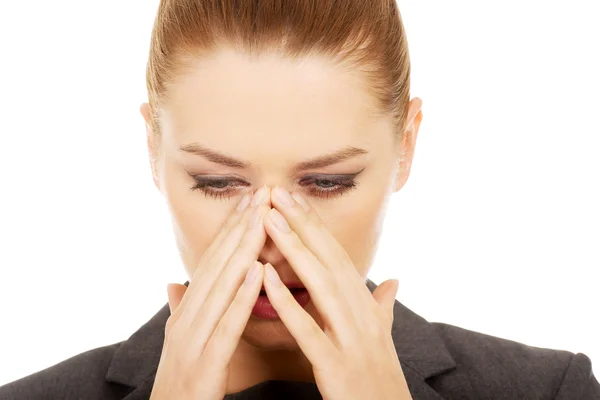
column 421, row 352
column 135, row 362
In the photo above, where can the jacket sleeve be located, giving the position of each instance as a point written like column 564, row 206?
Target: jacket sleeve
column 579, row 382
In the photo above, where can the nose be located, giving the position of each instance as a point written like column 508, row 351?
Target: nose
column 271, row 254
column 269, row 188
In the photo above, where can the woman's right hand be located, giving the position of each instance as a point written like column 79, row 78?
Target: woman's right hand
column 208, row 318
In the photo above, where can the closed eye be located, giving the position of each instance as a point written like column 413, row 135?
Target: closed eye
column 316, row 185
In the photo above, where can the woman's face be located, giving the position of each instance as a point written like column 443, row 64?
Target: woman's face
column 272, row 115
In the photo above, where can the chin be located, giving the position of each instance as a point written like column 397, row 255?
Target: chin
column 272, row 334
column 269, row 335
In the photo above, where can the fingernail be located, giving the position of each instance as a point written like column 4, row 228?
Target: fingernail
column 279, row 220
column 259, row 196
column 272, row 274
column 301, row 200
column 283, row 196
column 256, row 217
column 243, row 203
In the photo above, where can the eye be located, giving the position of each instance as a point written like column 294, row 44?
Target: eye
column 218, row 188
column 326, row 186
column 317, row 185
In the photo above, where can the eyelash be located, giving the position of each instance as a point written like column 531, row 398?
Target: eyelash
column 342, row 186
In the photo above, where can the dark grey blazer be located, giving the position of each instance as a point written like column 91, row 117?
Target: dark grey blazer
column 440, row 361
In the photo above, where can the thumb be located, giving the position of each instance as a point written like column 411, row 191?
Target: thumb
column 175, row 292
column 385, row 294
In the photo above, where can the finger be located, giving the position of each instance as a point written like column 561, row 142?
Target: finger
column 222, row 294
column 220, row 347
column 318, row 280
column 230, row 232
column 232, row 220
column 313, row 342
column 385, row 296
column 175, row 292
column 308, row 225
column 211, row 265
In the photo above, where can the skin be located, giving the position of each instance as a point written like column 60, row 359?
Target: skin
column 272, row 114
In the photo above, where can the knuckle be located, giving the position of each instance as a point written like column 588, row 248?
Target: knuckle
column 285, row 298
column 175, row 333
column 237, row 230
column 225, row 329
column 352, row 375
column 341, row 254
column 306, row 331
column 207, row 361
column 333, row 361
column 328, row 281
column 180, row 360
column 313, row 218
column 313, row 329
column 240, row 259
column 242, row 253
column 375, row 331
column 233, row 220
column 247, row 243
column 188, row 383
column 233, row 233
column 304, row 217
column 296, row 243
column 264, row 208
column 170, row 324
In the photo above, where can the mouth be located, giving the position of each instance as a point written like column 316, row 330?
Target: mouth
column 295, row 288
column 264, row 309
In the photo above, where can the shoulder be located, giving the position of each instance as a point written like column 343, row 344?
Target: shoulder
column 78, row 377
column 487, row 364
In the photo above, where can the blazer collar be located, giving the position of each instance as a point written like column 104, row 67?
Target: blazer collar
column 421, row 352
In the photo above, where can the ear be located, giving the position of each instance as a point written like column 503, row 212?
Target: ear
column 407, row 145
column 151, row 139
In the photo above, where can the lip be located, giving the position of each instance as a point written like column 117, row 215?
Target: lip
column 263, row 308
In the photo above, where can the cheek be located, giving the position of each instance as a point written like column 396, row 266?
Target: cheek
column 355, row 225
column 196, row 219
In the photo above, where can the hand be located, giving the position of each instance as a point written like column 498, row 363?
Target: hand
column 354, row 356
column 208, row 318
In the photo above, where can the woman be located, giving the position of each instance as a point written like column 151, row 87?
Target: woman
column 277, row 132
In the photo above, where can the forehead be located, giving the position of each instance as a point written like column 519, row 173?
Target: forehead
column 230, row 98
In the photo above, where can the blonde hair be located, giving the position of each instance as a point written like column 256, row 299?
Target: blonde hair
column 367, row 35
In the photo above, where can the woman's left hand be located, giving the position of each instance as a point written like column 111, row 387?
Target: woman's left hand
column 353, row 356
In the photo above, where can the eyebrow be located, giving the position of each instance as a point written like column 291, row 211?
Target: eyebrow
column 313, row 163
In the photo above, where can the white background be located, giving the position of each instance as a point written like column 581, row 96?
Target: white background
column 497, row 229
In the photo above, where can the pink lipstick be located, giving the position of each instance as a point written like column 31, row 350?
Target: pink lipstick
column 264, row 309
